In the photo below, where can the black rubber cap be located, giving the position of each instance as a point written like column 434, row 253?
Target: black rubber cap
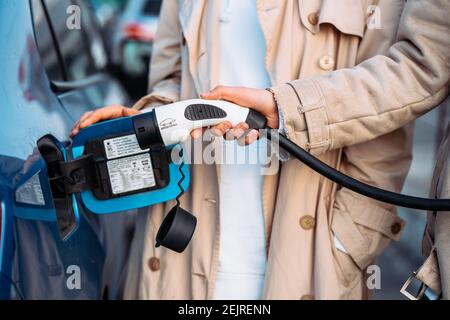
column 176, row 230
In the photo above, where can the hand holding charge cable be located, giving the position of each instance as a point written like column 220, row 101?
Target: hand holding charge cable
column 150, row 135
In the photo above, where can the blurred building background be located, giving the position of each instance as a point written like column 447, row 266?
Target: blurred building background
column 130, row 26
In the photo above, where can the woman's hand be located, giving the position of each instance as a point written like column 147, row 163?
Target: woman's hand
column 103, row 114
column 256, row 99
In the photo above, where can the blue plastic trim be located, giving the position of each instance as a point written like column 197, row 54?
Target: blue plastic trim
column 144, row 199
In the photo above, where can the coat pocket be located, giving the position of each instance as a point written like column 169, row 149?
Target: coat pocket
column 348, row 17
column 365, row 228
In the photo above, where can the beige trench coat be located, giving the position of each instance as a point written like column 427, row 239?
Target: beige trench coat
column 387, row 91
column 411, row 79
column 302, row 210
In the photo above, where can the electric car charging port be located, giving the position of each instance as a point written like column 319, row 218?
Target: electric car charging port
column 124, row 169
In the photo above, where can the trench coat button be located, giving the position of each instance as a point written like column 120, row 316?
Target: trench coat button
column 307, row 297
column 307, row 222
column 313, row 18
column 326, row 63
column 154, row 264
column 396, row 227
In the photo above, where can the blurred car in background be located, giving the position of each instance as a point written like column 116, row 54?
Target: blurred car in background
column 51, row 75
column 133, row 43
column 108, row 13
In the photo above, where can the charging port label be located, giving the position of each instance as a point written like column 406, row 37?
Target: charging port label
column 122, row 147
column 131, row 174
column 31, row 192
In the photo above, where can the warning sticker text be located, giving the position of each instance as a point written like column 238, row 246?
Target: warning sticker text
column 131, row 174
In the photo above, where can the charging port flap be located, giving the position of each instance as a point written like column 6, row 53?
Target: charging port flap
column 65, row 179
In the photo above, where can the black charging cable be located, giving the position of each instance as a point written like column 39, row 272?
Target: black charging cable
column 181, row 164
column 353, row 184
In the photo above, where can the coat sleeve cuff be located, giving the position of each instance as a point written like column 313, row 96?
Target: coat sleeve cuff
column 302, row 105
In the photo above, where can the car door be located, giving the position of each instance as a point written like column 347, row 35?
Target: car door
column 39, row 98
column 86, row 84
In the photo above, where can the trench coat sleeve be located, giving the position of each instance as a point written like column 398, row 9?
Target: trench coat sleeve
column 165, row 66
column 381, row 162
column 379, row 95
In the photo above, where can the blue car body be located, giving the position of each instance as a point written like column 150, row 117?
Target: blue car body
column 43, row 91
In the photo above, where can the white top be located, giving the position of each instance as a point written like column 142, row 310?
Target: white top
column 242, row 260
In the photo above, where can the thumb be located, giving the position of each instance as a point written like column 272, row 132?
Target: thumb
column 128, row 112
column 245, row 97
column 218, row 93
